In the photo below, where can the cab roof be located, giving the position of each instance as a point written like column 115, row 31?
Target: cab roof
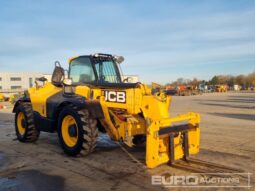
column 92, row 55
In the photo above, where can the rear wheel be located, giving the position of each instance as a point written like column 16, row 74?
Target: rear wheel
column 77, row 131
column 24, row 123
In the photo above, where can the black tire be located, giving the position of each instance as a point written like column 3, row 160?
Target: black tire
column 87, row 132
column 30, row 134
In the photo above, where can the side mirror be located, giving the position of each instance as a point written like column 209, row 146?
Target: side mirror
column 67, row 82
column 68, row 89
column 58, row 75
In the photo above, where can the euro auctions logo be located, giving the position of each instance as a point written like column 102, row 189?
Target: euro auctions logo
column 175, row 180
column 241, row 180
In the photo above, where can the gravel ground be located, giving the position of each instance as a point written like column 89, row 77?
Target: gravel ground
column 227, row 146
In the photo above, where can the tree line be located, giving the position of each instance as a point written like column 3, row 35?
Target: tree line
column 230, row 80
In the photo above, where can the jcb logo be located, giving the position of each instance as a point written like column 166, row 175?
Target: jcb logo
column 115, row 96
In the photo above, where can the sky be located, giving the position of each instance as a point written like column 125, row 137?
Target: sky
column 160, row 40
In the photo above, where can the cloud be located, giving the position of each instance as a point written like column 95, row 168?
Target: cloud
column 158, row 36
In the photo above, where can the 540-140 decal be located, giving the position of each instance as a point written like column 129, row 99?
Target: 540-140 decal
column 115, row 96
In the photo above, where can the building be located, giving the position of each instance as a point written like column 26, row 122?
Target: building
column 16, row 82
column 13, row 82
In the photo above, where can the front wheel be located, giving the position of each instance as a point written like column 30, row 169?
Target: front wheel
column 24, row 123
column 77, row 131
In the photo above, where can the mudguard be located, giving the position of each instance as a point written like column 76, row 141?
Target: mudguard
column 24, row 99
column 55, row 103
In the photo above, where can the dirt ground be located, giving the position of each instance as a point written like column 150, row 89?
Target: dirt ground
column 227, row 146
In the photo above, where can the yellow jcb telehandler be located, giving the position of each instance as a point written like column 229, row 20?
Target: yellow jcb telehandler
column 94, row 97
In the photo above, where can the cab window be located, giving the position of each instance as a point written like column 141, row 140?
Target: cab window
column 106, row 71
column 81, row 70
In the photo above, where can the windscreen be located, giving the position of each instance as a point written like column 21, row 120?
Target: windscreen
column 107, row 71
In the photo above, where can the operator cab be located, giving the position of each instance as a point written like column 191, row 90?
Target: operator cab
column 97, row 69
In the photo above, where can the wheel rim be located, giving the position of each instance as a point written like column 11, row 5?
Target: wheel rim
column 69, row 131
column 21, row 123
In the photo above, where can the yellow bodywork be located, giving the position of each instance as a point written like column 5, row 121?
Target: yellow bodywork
column 221, row 88
column 155, row 115
column 39, row 96
column 1, row 97
column 11, row 98
column 141, row 114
